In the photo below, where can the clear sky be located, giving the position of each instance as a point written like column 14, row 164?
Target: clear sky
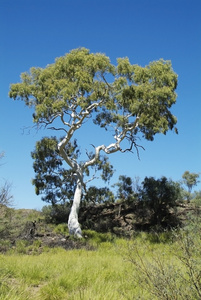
column 35, row 32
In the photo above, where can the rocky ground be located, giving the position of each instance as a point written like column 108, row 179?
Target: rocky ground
column 120, row 219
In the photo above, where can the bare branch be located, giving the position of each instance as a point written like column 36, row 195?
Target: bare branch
column 114, row 147
column 106, row 81
column 63, row 121
column 133, row 144
column 5, row 194
column 91, row 179
column 54, row 128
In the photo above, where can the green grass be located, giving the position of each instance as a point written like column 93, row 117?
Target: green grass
column 143, row 268
column 60, row 274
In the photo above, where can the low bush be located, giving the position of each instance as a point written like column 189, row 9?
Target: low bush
column 175, row 272
column 61, row 229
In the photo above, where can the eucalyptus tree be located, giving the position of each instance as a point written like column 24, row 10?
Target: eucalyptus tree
column 190, row 179
column 124, row 188
column 128, row 99
column 160, row 195
column 5, row 191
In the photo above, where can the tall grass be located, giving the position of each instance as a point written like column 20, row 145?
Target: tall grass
column 60, row 274
column 143, row 268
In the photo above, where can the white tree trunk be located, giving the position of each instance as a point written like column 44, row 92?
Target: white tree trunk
column 73, row 224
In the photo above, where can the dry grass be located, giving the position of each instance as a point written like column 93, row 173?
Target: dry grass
column 148, row 267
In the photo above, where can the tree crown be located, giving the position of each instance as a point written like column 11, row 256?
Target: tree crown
column 130, row 98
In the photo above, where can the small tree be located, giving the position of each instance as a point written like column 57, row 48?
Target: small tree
column 125, row 190
column 129, row 99
column 190, row 180
column 160, row 195
column 5, row 191
column 6, row 200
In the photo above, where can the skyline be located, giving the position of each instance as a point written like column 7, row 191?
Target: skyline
column 35, row 33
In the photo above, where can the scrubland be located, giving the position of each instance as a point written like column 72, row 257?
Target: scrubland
column 147, row 266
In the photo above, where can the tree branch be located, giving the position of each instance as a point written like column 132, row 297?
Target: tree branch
column 54, row 128
column 114, row 147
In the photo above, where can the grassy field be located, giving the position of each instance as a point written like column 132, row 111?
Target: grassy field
column 150, row 266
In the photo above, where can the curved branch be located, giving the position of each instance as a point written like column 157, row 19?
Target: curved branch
column 114, row 147
column 54, row 128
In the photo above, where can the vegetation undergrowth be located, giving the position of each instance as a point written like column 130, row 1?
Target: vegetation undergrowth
column 148, row 266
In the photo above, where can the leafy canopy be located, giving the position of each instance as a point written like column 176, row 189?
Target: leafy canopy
column 161, row 195
column 129, row 98
column 190, row 179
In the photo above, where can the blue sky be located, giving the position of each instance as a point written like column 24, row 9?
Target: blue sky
column 35, row 32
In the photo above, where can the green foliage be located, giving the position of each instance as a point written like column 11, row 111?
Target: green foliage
column 15, row 225
column 130, row 100
column 147, row 93
column 117, row 269
column 160, row 196
column 52, row 179
column 6, row 200
column 197, row 201
column 97, row 238
column 5, row 221
column 56, row 213
column 137, row 99
column 62, row 229
column 190, row 179
column 171, row 271
column 21, row 246
column 52, row 90
column 102, row 164
column 125, row 188
column 98, row 195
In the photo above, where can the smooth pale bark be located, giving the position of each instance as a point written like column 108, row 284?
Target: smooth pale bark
column 73, row 224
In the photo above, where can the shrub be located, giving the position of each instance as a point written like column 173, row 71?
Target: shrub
column 57, row 213
column 160, row 197
column 166, row 276
column 61, row 228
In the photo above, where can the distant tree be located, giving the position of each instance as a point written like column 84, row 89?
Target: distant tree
column 5, row 190
column 136, row 185
column 124, row 188
column 6, row 200
column 6, row 197
column 160, row 195
column 190, row 180
column 128, row 99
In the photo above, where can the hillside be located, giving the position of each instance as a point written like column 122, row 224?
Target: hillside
column 120, row 219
